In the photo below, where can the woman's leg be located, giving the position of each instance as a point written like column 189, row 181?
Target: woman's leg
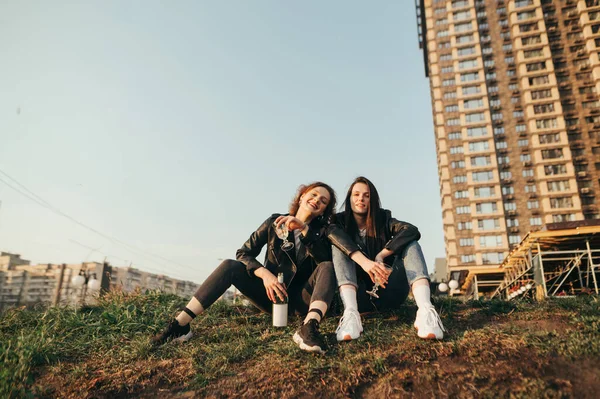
column 428, row 322
column 228, row 273
column 350, row 325
column 313, row 299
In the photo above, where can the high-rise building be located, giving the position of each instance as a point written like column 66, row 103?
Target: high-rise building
column 514, row 91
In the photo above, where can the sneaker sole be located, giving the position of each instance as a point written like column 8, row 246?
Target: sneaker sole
column 300, row 342
column 346, row 338
column 184, row 338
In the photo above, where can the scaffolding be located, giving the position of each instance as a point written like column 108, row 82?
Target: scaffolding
column 553, row 263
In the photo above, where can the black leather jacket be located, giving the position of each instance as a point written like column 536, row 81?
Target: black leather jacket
column 394, row 235
column 279, row 261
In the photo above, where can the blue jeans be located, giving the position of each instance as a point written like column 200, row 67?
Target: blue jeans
column 407, row 268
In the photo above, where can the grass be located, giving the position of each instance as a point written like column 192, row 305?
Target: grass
column 492, row 349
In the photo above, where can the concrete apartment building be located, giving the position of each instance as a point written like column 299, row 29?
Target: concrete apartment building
column 51, row 284
column 514, row 93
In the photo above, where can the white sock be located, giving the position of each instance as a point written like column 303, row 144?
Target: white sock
column 422, row 295
column 348, row 295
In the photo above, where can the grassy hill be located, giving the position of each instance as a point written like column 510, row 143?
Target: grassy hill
column 493, row 349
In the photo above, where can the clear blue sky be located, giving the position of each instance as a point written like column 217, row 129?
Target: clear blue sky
column 179, row 127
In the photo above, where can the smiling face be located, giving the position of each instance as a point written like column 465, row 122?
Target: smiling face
column 315, row 201
column 360, row 198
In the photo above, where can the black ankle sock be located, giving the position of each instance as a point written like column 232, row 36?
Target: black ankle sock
column 189, row 312
column 317, row 311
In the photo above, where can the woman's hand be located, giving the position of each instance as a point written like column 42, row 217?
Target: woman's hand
column 291, row 222
column 375, row 270
column 273, row 287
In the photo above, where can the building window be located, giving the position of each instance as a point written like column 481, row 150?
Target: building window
column 492, row 257
column 463, row 27
column 454, row 135
column 537, row 221
column 457, row 150
column 490, row 241
column 448, row 82
column 549, row 138
column 465, row 39
column 477, row 146
column 476, row 131
column 460, row 15
column 503, row 160
column 523, row 142
column 461, row 210
column 533, row 204
column 512, row 223
column 467, row 64
column 529, row 40
column 499, row 130
column 496, row 116
column 528, row 27
column 459, row 179
column 448, row 69
column 466, row 242
column 457, row 164
column 467, row 90
column 530, row 188
column 524, row 15
column 451, row 108
column 465, row 51
column 527, row 172
column 510, row 206
column 482, row 176
column 453, row 122
column 525, row 157
column 476, row 103
column 446, row 57
column 539, row 94
column 543, row 108
column 514, row 239
column 535, row 66
column 474, row 118
column 488, row 224
column 449, row 95
column 518, row 114
column 546, row 123
column 467, row 258
column 507, row 190
column 469, row 77
column 481, row 160
column 442, row 33
column 501, row 145
column 464, row 226
column 552, row 153
column 461, row 194
column 559, row 169
column 484, row 192
column 486, row 207
column 564, row 217
column 561, row 202
column 559, row 185
column 539, row 80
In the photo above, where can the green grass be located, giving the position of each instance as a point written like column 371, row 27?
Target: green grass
column 492, row 349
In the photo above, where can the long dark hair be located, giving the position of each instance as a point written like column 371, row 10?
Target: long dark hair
column 329, row 209
column 374, row 236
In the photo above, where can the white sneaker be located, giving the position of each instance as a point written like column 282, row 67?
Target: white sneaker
column 428, row 324
column 350, row 326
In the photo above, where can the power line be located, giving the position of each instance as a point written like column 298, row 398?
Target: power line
column 43, row 203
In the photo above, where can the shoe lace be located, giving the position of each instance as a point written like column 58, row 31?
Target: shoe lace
column 313, row 331
column 433, row 318
column 346, row 321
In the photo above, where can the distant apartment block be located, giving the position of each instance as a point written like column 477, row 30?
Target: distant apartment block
column 51, row 284
column 514, row 94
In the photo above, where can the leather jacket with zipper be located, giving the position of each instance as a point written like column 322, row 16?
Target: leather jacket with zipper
column 395, row 235
column 277, row 260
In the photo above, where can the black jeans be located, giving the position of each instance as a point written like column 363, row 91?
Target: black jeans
column 320, row 286
column 391, row 297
